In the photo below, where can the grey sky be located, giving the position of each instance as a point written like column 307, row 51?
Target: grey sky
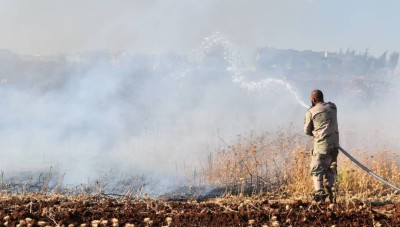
column 59, row 26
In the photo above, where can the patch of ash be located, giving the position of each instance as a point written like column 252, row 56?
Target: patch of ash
column 202, row 193
column 199, row 193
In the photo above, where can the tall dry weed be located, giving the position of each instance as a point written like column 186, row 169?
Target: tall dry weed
column 280, row 163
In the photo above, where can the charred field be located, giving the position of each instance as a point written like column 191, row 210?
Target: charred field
column 240, row 186
column 58, row 210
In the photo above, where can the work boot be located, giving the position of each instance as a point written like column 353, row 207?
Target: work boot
column 331, row 187
column 331, row 194
column 320, row 196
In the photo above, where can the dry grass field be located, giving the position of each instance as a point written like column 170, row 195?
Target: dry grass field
column 265, row 179
column 280, row 165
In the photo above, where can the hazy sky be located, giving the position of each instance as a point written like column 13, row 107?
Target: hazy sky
column 59, row 26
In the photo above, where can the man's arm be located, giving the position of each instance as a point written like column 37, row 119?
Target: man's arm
column 308, row 124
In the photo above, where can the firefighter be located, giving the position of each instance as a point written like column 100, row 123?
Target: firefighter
column 321, row 123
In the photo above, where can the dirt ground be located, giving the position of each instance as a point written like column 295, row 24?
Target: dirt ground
column 52, row 210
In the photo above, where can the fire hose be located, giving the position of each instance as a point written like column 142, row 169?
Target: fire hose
column 368, row 170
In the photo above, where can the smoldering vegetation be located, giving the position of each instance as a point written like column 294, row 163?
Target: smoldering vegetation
column 154, row 119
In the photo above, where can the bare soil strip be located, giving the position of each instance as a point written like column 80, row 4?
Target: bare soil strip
column 52, row 210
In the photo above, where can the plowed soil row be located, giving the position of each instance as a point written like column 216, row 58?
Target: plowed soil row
column 77, row 210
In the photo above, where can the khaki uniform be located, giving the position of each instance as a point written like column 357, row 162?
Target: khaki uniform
column 321, row 123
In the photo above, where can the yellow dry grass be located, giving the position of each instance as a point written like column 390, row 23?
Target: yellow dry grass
column 280, row 164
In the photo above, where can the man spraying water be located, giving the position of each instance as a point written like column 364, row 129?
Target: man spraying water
column 321, row 123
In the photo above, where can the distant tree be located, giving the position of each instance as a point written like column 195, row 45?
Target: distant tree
column 366, row 53
column 380, row 62
column 393, row 60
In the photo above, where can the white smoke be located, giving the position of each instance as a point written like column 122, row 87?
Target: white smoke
column 159, row 114
column 136, row 114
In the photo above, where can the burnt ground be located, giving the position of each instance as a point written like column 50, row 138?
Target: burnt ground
column 65, row 210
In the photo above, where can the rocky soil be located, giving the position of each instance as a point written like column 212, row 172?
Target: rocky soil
column 53, row 210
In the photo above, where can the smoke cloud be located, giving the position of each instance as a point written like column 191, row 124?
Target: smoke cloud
column 173, row 79
column 87, row 114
